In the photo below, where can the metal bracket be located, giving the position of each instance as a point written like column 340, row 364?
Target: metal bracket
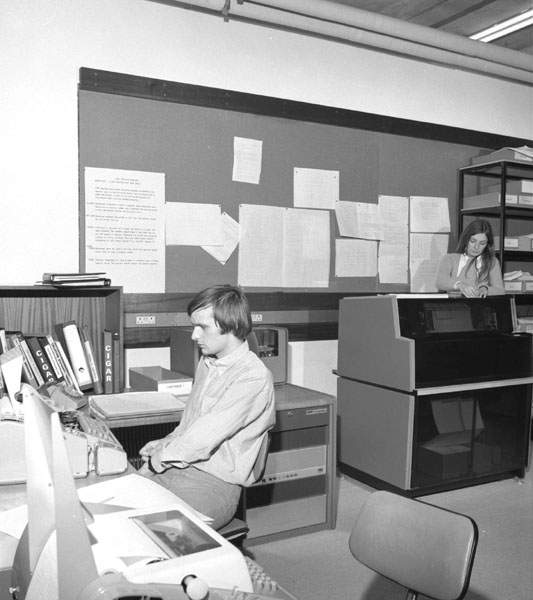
column 226, row 9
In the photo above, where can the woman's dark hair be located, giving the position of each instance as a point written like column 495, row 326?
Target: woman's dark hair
column 230, row 308
column 487, row 256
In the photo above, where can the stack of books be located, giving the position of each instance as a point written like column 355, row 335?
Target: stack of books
column 75, row 279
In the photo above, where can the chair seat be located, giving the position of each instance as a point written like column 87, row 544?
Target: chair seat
column 236, row 528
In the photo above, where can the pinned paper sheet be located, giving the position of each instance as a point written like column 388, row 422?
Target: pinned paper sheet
column 247, row 158
column 316, row 188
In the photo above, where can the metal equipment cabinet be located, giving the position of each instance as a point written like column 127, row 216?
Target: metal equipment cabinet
column 434, row 393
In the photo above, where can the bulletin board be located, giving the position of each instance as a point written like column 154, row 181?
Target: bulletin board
column 187, row 132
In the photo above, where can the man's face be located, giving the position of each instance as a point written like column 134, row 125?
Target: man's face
column 207, row 334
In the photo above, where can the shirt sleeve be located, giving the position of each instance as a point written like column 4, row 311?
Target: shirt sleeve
column 495, row 283
column 242, row 402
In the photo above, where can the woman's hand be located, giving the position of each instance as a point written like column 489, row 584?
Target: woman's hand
column 468, row 291
column 482, row 291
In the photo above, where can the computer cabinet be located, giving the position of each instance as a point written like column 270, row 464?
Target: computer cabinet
column 481, row 188
column 298, row 491
column 434, row 393
column 37, row 309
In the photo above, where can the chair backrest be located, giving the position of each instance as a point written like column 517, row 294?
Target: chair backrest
column 426, row 549
column 260, row 461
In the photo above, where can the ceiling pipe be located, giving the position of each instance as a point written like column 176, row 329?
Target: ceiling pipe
column 363, row 28
column 370, row 21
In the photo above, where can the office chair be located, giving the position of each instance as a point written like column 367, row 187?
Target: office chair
column 426, row 549
column 237, row 529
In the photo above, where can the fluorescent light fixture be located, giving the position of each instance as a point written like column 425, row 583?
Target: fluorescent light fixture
column 505, row 27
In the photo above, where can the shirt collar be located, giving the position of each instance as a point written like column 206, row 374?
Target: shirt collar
column 229, row 359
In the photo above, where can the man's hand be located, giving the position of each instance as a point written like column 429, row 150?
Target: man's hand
column 151, row 455
column 148, row 449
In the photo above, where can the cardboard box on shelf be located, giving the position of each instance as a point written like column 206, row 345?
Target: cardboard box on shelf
column 159, row 379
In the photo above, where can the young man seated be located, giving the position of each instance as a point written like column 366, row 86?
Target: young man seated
column 211, row 453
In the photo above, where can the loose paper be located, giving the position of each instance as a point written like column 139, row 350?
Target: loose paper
column 193, row 224
column 247, row 156
column 316, row 188
column 124, row 227
column 359, row 220
column 356, row 258
column 283, row 247
column 429, row 214
column 231, row 234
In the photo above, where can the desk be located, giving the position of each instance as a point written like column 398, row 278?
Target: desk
column 12, row 496
column 298, row 493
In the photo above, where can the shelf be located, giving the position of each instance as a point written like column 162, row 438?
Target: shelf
column 37, row 309
column 518, row 170
column 512, row 219
column 514, row 212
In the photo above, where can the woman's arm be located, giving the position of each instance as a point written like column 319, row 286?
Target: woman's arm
column 495, row 283
column 446, row 277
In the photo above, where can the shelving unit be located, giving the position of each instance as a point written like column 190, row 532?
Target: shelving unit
column 506, row 219
column 37, row 309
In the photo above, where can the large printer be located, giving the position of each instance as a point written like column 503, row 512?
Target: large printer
column 434, row 392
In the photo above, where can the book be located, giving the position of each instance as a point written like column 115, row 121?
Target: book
column 102, row 282
column 160, row 379
column 76, row 354
column 46, row 342
column 66, row 368
column 16, row 340
column 3, row 348
column 58, row 277
column 133, row 404
column 41, row 359
column 91, row 360
column 3, row 341
column 116, row 362
column 107, row 361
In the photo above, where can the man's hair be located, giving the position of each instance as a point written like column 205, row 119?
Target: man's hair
column 230, row 308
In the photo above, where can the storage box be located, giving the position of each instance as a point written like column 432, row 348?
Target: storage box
column 488, row 199
column 159, row 379
column 525, row 324
column 515, row 242
column 444, row 462
column 514, row 286
column 519, row 186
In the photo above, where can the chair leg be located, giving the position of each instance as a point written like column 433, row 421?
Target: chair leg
column 411, row 595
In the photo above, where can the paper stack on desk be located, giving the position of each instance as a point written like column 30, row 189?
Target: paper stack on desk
column 135, row 404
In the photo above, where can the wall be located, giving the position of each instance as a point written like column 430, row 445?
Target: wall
column 45, row 43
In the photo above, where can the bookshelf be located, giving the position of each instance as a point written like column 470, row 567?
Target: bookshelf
column 512, row 220
column 37, row 309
